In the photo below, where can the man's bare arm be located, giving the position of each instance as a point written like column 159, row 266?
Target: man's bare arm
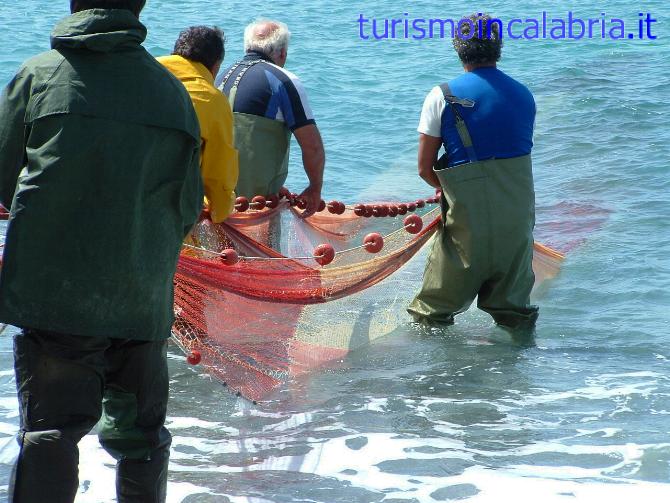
column 429, row 146
column 313, row 160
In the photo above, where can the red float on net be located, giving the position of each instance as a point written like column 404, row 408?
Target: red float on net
column 272, row 201
column 258, row 203
column 241, row 204
column 336, row 207
column 380, row 210
column 413, row 224
column 324, row 254
column 420, row 203
column 359, row 210
column 322, row 206
column 229, row 257
column 393, row 211
column 402, row 209
column 194, row 357
column 411, row 207
column 373, row 242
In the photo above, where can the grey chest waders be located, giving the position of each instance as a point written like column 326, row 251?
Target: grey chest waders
column 263, row 146
column 485, row 246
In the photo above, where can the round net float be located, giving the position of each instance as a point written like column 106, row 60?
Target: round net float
column 241, row 204
column 411, row 207
column 341, row 208
column 420, row 203
column 334, row 207
column 322, row 206
column 413, row 224
column 301, row 203
column 194, row 357
column 229, row 257
column 359, row 210
column 393, row 211
column 272, row 201
column 402, row 209
column 368, row 211
column 373, row 242
column 380, row 210
column 324, row 254
column 258, row 203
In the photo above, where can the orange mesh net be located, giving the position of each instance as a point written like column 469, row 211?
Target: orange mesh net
column 277, row 313
column 255, row 324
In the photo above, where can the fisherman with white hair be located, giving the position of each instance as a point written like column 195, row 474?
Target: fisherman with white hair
column 269, row 103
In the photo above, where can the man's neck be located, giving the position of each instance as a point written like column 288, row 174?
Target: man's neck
column 471, row 67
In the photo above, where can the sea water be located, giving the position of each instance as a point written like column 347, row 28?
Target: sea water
column 461, row 413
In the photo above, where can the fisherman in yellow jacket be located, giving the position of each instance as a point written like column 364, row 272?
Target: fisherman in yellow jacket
column 195, row 61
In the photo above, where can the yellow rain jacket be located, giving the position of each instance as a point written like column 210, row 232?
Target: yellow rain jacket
column 219, row 163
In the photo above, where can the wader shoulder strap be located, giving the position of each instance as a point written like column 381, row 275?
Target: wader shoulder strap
column 461, row 127
column 236, row 83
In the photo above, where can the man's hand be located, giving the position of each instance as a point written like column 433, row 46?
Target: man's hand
column 429, row 146
column 312, row 197
column 313, row 160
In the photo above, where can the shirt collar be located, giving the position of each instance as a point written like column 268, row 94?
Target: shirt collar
column 253, row 55
column 184, row 68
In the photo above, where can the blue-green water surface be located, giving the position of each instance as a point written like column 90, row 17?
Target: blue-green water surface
column 460, row 413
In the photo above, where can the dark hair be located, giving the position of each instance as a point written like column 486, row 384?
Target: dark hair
column 478, row 40
column 202, row 44
column 135, row 6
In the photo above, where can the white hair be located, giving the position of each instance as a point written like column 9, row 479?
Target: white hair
column 269, row 44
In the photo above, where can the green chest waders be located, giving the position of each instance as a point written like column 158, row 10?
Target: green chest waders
column 263, row 146
column 484, row 248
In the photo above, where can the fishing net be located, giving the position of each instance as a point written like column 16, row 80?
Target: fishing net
column 277, row 312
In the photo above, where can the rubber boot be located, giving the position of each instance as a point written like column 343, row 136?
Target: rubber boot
column 143, row 481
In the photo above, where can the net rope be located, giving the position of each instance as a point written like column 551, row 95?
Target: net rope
column 277, row 312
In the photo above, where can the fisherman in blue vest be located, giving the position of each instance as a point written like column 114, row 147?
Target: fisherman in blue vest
column 484, row 249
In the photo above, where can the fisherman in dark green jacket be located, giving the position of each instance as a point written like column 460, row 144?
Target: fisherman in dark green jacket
column 99, row 163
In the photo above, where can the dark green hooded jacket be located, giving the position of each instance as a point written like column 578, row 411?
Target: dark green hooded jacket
column 105, row 145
